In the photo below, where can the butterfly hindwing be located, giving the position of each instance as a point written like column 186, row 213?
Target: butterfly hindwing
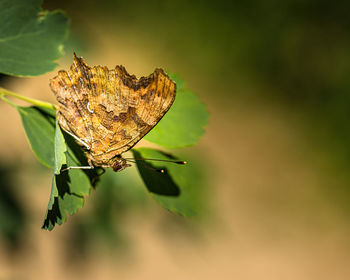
column 110, row 110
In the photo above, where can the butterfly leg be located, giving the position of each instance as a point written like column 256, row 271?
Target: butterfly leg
column 90, row 166
column 78, row 139
column 77, row 167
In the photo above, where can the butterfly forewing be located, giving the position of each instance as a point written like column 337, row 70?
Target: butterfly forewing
column 110, row 110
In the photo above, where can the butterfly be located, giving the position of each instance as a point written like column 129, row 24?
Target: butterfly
column 109, row 111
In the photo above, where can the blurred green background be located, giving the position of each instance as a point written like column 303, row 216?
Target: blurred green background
column 275, row 159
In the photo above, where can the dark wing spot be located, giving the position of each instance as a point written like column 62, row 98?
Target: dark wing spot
column 85, row 74
column 102, row 107
column 136, row 87
column 124, row 135
column 138, row 121
column 123, row 116
column 81, row 81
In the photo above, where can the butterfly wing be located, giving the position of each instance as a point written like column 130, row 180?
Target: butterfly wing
column 110, row 110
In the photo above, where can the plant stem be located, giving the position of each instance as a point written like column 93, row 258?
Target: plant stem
column 33, row 101
column 8, row 101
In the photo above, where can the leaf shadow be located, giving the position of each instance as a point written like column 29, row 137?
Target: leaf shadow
column 57, row 213
column 49, row 114
column 158, row 183
column 62, row 182
column 53, row 216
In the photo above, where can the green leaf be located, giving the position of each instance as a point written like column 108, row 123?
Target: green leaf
column 60, row 150
column 179, row 189
column 30, row 38
column 180, row 83
column 183, row 124
column 56, row 149
column 68, row 187
column 39, row 126
column 59, row 161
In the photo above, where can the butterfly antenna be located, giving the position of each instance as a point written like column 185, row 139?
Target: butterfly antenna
column 164, row 160
column 148, row 167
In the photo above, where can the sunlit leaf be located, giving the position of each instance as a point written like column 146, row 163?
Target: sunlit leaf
column 68, row 187
column 30, row 38
column 60, row 150
column 40, row 130
column 59, row 161
column 184, row 123
column 179, row 189
column 180, row 83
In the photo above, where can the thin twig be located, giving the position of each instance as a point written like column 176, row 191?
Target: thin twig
column 33, row 101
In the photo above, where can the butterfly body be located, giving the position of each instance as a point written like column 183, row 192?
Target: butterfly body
column 109, row 111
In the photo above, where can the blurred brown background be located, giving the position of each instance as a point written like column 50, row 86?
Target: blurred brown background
column 276, row 155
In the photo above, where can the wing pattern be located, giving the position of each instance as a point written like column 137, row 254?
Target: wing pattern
column 110, row 110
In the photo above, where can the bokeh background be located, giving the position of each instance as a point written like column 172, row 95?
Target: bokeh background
column 275, row 158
